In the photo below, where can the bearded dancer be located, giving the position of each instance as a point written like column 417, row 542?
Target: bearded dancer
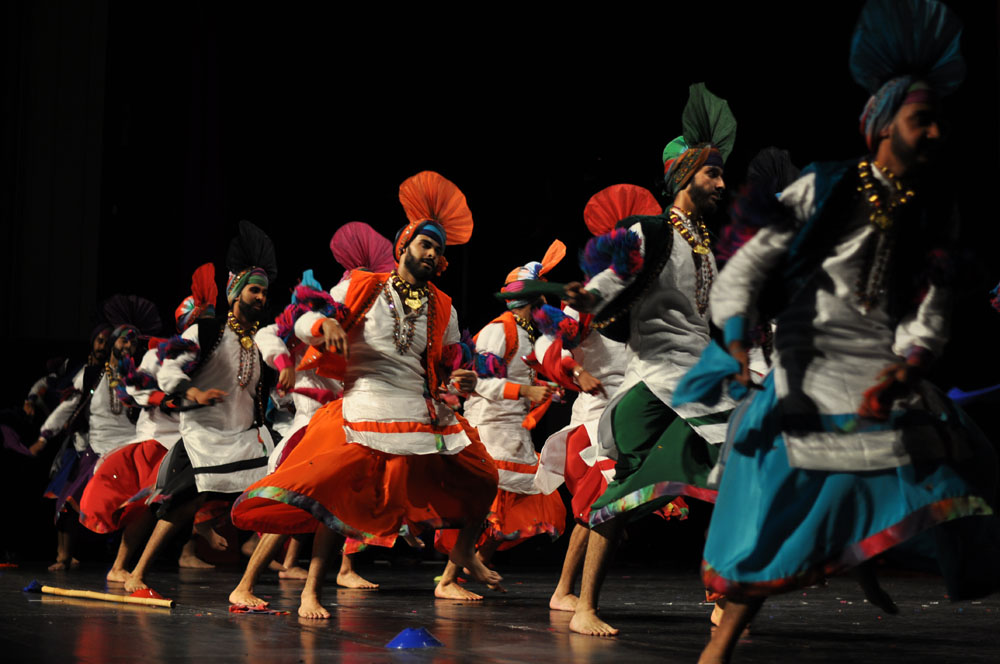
column 654, row 295
column 874, row 452
column 95, row 419
column 356, row 246
column 391, row 452
column 114, row 498
column 215, row 363
column 501, row 412
column 596, row 364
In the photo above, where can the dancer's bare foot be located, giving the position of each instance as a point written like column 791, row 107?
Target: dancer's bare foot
column 452, row 590
column 565, row 602
column 243, row 597
column 311, row 608
column 191, row 561
column 59, row 566
column 117, row 575
column 587, row 622
column 295, row 573
column 133, row 583
column 352, row 580
column 214, row 539
column 475, row 568
column 249, row 546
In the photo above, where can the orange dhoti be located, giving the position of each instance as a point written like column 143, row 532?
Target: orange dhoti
column 364, row 493
column 108, row 503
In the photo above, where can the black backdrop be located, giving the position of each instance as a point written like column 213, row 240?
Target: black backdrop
column 137, row 135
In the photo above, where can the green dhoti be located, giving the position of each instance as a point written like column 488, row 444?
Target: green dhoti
column 660, row 457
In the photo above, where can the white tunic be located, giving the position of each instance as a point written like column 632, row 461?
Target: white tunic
column 666, row 338
column 605, row 360
column 107, row 430
column 384, row 404
column 225, row 432
column 828, row 349
column 497, row 419
column 272, row 347
column 153, row 423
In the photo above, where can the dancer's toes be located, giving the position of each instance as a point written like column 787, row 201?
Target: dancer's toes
column 311, row 608
column 59, row 566
column 563, row 602
column 240, row 597
column 134, row 583
column 353, row 580
column 587, row 622
column 455, row 591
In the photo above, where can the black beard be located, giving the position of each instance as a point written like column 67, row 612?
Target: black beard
column 702, row 200
column 420, row 270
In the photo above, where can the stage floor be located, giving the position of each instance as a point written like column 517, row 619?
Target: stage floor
column 660, row 614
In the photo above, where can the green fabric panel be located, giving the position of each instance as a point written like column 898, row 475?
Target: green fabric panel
column 711, row 418
column 654, row 445
column 707, row 119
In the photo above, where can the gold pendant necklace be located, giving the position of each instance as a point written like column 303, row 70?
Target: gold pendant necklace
column 700, row 248
column 413, row 294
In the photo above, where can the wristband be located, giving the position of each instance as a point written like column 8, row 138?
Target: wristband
column 512, row 391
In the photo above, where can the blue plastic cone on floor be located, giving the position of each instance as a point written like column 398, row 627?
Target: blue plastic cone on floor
column 414, row 637
column 33, row 587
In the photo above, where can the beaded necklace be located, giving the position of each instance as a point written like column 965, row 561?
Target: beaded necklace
column 414, row 295
column 116, row 405
column 870, row 287
column 402, row 333
column 248, row 352
column 704, row 274
column 528, row 326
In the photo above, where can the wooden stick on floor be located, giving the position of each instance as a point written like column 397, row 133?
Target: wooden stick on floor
column 108, row 597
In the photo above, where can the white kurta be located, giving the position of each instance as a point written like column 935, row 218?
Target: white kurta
column 605, row 360
column 153, row 423
column 225, row 432
column 60, row 415
column 828, row 349
column 497, row 419
column 667, row 336
column 272, row 347
column 384, row 405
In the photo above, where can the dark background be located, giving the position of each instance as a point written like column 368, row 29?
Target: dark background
column 136, row 135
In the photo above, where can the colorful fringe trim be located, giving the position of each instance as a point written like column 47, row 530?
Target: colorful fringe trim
column 553, row 322
column 913, row 524
column 648, row 494
column 618, row 250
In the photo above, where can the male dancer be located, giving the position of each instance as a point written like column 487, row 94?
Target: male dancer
column 596, row 364
column 97, row 420
column 875, row 453
column 356, row 246
column 661, row 310
column 215, row 363
column 114, row 498
column 391, row 452
column 499, row 410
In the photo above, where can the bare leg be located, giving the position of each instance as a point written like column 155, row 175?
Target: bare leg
column 214, row 539
column 132, row 535
column 165, row 528
column 485, row 554
column 464, row 555
column 563, row 598
column 600, row 544
column 266, row 548
column 189, row 557
column 734, row 620
column 64, row 551
column 449, row 588
column 289, row 570
column 348, row 578
column 310, row 606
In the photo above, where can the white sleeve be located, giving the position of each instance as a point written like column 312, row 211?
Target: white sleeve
column 927, row 327
column 58, row 418
column 607, row 284
column 491, row 340
column 149, row 365
column 171, row 376
column 271, row 346
column 452, row 334
column 305, row 323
